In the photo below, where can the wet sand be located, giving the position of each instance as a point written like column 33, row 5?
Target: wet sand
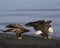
column 11, row 41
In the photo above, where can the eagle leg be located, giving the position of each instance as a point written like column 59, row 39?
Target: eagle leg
column 19, row 35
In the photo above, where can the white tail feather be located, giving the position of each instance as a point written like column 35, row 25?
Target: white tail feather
column 38, row 32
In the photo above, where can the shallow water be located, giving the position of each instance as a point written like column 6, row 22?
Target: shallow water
column 18, row 11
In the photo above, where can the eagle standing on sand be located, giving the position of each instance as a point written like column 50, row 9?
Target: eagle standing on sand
column 42, row 27
column 17, row 28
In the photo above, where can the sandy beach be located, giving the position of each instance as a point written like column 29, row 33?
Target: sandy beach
column 11, row 41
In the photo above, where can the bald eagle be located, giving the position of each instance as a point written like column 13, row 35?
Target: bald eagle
column 42, row 27
column 17, row 28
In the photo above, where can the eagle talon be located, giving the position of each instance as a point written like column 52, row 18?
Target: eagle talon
column 19, row 37
column 49, row 37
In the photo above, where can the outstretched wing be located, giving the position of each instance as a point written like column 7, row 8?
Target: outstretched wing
column 35, row 23
column 8, row 30
column 15, row 26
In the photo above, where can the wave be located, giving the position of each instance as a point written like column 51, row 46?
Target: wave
column 36, row 10
column 16, row 14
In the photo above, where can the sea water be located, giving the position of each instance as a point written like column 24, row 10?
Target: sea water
column 24, row 11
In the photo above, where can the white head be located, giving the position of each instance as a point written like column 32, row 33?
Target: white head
column 50, row 30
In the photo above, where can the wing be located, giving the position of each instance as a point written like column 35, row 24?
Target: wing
column 35, row 23
column 14, row 26
column 8, row 30
column 49, row 21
